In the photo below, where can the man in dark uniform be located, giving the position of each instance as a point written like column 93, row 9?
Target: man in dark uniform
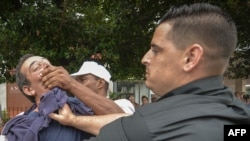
column 188, row 54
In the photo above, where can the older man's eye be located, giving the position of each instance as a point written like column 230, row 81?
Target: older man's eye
column 37, row 68
column 34, row 68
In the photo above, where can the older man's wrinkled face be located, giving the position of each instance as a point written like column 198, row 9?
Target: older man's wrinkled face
column 33, row 68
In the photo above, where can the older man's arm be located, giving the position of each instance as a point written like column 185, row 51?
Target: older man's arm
column 90, row 124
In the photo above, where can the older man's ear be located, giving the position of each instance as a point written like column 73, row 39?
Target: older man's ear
column 28, row 90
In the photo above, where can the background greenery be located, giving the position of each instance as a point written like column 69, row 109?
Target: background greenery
column 70, row 31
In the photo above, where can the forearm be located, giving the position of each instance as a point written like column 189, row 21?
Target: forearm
column 93, row 124
column 59, row 77
column 99, row 104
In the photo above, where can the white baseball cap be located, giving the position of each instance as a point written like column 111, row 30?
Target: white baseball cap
column 91, row 67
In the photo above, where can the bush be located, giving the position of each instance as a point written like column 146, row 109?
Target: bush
column 5, row 117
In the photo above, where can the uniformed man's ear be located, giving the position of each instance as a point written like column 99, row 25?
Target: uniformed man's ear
column 192, row 57
column 28, row 90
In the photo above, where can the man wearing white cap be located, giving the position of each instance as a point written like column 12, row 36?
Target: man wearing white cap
column 97, row 78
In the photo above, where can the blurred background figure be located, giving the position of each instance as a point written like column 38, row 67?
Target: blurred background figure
column 244, row 97
column 144, row 100
column 131, row 98
column 154, row 97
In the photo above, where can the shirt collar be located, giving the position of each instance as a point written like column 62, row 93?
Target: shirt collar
column 198, row 86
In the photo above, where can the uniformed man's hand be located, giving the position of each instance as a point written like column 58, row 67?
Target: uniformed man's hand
column 64, row 116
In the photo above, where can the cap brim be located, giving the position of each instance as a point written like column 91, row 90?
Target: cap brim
column 76, row 74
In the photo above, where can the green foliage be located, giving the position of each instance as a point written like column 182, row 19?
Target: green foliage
column 68, row 32
column 5, row 117
column 65, row 32
column 115, row 96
